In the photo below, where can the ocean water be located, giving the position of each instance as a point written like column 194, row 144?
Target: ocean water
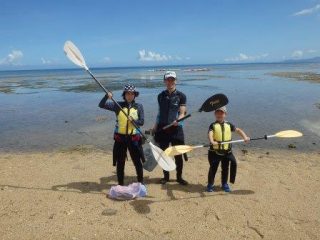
column 44, row 110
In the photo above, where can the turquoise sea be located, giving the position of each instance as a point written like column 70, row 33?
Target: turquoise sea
column 44, row 110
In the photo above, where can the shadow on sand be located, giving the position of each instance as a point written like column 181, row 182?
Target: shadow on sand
column 141, row 206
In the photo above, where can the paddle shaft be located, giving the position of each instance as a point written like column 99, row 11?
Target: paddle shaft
column 212, row 103
column 265, row 137
column 181, row 119
column 134, row 124
column 107, row 91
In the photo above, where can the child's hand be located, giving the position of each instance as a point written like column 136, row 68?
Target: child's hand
column 214, row 143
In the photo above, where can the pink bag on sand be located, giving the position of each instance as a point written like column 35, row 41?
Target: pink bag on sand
column 127, row 192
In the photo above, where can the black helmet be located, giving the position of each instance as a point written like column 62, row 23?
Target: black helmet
column 130, row 88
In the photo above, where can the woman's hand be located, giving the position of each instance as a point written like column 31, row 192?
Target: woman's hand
column 131, row 119
column 109, row 95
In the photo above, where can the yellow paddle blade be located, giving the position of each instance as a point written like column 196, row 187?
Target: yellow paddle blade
column 289, row 134
column 178, row 150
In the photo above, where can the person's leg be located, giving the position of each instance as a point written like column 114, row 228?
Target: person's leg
column 233, row 167
column 163, row 139
column 224, row 174
column 119, row 154
column 214, row 161
column 135, row 154
column 224, row 170
column 179, row 162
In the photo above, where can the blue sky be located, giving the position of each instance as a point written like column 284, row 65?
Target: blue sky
column 141, row 32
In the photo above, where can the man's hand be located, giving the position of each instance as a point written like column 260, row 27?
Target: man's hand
column 175, row 123
column 246, row 139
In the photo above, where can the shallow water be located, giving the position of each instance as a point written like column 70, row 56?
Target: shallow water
column 54, row 109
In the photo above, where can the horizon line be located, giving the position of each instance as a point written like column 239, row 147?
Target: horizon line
column 289, row 61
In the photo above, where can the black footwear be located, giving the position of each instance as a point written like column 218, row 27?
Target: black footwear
column 181, row 181
column 164, row 180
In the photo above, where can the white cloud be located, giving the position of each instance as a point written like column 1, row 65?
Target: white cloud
column 106, row 60
column 307, row 11
column 45, row 61
column 301, row 53
column 311, row 51
column 245, row 58
column 148, row 56
column 297, row 54
column 12, row 58
column 152, row 56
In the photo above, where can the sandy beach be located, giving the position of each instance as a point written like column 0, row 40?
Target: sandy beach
column 62, row 195
column 80, row 80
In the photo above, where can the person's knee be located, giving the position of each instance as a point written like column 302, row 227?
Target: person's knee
column 137, row 163
column 225, row 167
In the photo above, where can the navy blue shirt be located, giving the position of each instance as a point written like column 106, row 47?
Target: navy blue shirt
column 169, row 106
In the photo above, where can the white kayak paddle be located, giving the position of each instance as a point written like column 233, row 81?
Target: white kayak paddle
column 158, row 156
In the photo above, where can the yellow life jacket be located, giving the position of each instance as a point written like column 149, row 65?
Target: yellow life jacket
column 124, row 126
column 222, row 133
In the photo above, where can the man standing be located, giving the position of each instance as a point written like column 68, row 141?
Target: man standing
column 172, row 106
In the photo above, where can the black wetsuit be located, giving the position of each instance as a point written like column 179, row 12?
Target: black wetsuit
column 225, row 157
column 169, row 105
column 124, row 142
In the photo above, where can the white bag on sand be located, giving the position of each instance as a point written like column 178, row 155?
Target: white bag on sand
column 127, row 192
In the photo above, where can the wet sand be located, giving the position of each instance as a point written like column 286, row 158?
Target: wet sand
column 301, row 76
column 62, row 195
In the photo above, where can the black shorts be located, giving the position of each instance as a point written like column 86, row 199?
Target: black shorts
column 171, row 134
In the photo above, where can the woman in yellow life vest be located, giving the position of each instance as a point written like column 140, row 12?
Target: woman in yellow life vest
column 221, row 131
column 126, row 135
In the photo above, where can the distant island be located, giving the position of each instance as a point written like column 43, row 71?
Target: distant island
column 305, row 60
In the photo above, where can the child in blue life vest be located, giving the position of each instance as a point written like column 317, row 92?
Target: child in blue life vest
column 126, row 136
column 221, row 131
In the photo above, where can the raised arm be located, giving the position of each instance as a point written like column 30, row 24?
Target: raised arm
column 108, row 105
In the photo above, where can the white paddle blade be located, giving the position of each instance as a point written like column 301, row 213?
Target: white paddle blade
column 178, row 150
column 289, row 134
column 74, row 54
column 164, row 161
